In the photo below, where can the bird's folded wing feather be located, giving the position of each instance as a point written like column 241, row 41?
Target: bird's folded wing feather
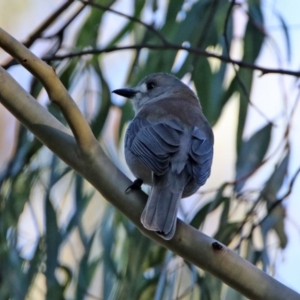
column 201, row 152
column 154, row 144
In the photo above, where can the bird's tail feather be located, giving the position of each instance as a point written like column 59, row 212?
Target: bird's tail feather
column 160, row 213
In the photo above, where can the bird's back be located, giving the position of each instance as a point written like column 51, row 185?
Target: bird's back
column 191, row 131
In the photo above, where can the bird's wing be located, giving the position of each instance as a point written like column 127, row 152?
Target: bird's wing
column 154, row 143
column 201, row 153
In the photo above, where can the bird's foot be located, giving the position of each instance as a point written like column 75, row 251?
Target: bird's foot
column 135, row 186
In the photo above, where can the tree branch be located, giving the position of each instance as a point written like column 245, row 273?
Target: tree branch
column 96, row 167
column 55, row 89
column 131, row 18
column 39, row 31
column 175, row 47
column 167, row 45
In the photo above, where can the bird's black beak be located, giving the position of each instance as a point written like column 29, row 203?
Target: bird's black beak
column 128, row 93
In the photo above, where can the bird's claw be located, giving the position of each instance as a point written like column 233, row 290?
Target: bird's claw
column 136, row 185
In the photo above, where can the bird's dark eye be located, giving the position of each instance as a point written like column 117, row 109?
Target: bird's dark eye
column 150, row 85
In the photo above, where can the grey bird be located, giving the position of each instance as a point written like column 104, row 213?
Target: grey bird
column 168, row 145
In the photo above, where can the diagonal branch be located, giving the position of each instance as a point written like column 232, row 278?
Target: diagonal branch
column 55, row 89
column 96, row 167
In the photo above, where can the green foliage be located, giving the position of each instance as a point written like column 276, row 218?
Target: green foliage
column 251, row 155
column 253, row 40
column 111, row 253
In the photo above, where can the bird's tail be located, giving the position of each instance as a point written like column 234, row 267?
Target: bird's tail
column 160, row 213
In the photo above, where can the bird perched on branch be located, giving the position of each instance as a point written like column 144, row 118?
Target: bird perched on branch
column 168, row 145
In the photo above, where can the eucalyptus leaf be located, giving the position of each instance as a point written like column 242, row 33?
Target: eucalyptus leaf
column 276, row 212
column 227, row 232
column 253, row 41
column 251, row 155
column 104, row 100
column 25, row 150
column 87, row 270
column 89, row 31
column 286, row 33
column 274, row 183
column 53, row 240
column 202, row 213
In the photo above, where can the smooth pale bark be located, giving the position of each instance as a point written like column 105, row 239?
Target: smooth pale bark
column 80, row 150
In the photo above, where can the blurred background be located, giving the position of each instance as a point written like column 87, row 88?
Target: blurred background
column 59, row 238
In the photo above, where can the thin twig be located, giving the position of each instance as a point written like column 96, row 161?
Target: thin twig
column 270, row 209
column 67, row 23
column 35, row 35
column 131, row 18
column 38, row 32
column 174, row 47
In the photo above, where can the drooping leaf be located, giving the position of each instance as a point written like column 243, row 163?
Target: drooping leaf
column 104, row 100
column 68, row 274
column 200, row 216
column 81, row 202
column 232, row 294
column 25, row 151
column 253, row 255
column 213, row 285
column 11, row 274
column 276, row 211
column 275, row 221
column 137, row 248
column 209, row 86
column 17, row 197
column 274, row 183
column 66, row 75
column 255, row 32
column 108, row 240
column 87, row 268
column 35, row 87
column 253, row 41
column 251, row 155
column 279, row 226
column 286, row 33
column 225, row 211
column 227, row 232
column 89, row 31
column 129, row 27
column 202, row 77
column 53, row 240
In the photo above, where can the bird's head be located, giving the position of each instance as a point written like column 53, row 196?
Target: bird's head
column 153, row 88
